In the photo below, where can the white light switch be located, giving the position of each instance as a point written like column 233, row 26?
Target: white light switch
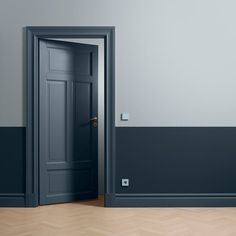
column 124, row 116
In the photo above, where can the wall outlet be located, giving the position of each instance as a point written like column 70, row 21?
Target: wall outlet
column 125, row 182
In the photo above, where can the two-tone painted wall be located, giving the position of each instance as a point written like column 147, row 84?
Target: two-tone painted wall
column 175, row 76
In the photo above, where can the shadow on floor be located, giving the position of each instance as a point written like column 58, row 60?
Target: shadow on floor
column 98, row 202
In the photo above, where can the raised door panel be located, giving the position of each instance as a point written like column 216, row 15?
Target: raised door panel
column 82, row 115
column 60, row 59
column 56, row 121
column 84, row 63
column 66, row 181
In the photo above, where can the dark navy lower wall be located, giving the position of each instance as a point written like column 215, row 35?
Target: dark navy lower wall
column 12, row 166
column 176, row 160
column 166, row 166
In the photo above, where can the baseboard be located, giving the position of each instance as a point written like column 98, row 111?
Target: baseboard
column 121, row 200
column 31, row 200
column 12, row 200
column 109, row 200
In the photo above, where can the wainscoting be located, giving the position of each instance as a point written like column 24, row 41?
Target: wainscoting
column 187, row 166
column 165, row 166
column 12, row 167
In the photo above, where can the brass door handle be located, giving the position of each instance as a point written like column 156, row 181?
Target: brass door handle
column 94, row 121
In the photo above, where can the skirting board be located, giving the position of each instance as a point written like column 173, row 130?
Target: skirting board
column 12, row 200
column 156, row 201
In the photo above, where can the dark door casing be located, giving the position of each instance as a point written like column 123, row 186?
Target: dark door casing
column 68, row 135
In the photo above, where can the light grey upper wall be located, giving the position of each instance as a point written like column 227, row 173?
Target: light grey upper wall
column 175, row 60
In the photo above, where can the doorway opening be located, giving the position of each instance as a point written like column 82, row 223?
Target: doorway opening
column 71, row 116
column 99, row 42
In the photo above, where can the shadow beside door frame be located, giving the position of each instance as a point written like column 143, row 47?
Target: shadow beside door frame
column 33, row 34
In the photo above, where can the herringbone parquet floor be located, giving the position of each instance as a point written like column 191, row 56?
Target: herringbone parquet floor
column 89, row 218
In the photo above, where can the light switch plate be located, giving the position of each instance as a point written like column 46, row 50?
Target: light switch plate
column 125, row 182
column 124, row 116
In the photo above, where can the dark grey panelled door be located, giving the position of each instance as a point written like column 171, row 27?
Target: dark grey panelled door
column 68, row 133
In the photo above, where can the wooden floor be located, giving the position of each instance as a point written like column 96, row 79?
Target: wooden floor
column 90, row 218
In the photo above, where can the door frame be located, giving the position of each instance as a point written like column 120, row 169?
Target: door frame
column 33, row 34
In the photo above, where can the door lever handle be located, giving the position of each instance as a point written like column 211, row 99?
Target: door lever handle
column 94, row 121
column 94, row 118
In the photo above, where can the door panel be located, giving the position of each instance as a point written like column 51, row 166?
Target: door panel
column 84, row 63
column 82, row 98
column 60, row 60
column 65, row 181
column 56, row 120
column 68, row 141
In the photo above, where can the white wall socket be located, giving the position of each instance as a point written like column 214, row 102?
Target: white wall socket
column 125, row 182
